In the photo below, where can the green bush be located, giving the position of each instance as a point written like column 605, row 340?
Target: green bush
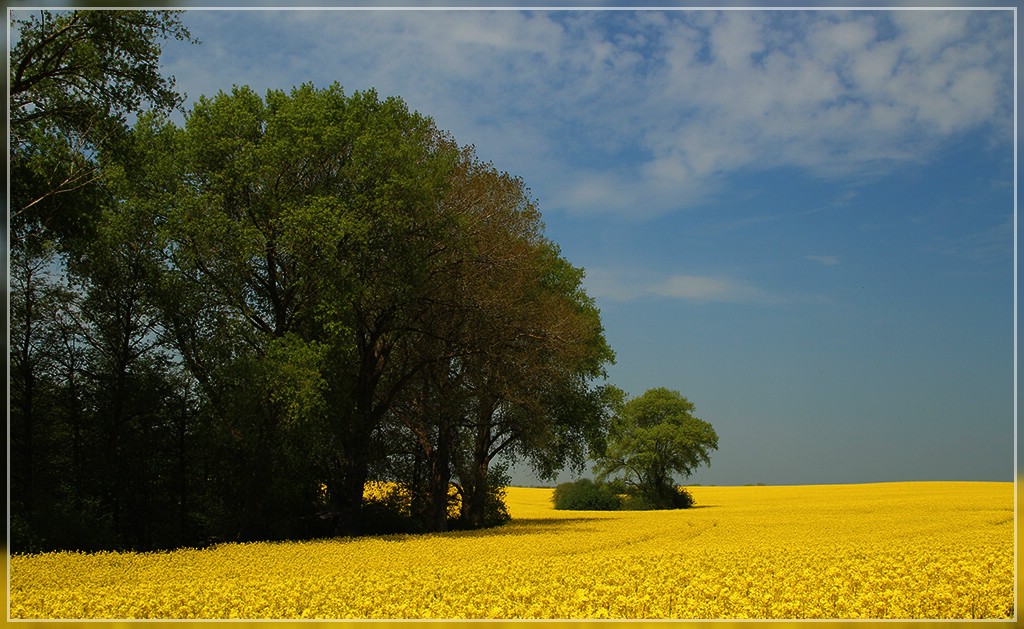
column 683, row 499
column 615, row 495
column 635, row 501
column 586, row 495
column 666, row 498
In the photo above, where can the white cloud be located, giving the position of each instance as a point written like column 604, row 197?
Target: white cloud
column 620, row 285
column 612, row 285
column 803, row 104
column 708, row 289
column 642, row 113
column 835, row 94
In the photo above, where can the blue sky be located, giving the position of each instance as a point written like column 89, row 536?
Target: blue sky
column 801, row 220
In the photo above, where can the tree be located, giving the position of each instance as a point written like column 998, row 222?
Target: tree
column 36, row 304
column 74, row 78
column 533, row 393
column 652, row 438
column 264, row 309
column 127, row 367
column 506, row 343
column 310, row 223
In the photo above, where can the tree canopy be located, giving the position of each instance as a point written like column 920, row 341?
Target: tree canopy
column 226, row 328
column 74, row 79
column 651, row 439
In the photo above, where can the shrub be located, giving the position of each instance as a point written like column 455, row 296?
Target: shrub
column 671, row 497
column 683, row 499
column 635, row 501
column 585, row 495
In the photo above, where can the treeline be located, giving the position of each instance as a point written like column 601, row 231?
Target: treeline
column 222, row 330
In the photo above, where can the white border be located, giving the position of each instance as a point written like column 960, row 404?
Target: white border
column 72, row 6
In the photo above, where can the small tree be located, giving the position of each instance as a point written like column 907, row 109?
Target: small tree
column 652, row 438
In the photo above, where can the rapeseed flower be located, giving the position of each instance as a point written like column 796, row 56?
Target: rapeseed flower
column 892, row 550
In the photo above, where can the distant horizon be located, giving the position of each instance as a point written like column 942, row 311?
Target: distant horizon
column 884, row 482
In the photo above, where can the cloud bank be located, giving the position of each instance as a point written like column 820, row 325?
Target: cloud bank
column 641, row 113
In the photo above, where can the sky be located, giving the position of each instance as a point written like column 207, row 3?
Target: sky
column 803, row 221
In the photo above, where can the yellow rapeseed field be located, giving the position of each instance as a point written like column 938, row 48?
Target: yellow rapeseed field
column 891, row 550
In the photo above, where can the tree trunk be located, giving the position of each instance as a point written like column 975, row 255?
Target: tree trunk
column 440, row 478
column 347, row 497
column 355, row 439
column 474, row 501
column 474, row 506
column 182, row 471
column 25, row 404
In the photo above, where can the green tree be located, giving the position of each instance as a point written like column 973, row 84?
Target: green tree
column 308, row 223
column 37, row 303
column 289, row 296
column 127, row 367
column 533, row 386
column 508, row 345
column 74, row 78
column 651, row 439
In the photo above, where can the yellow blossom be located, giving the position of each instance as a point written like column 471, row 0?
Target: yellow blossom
column 890, row 550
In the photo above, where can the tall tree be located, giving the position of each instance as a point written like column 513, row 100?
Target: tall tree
column 309, row 221
column 114, row 274
column 74, row 79
column 35, row 304
column 532, row 338
column 508, row 343
column 273, row 303
column 535, row 393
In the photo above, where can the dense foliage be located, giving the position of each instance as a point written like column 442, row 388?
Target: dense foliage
column 230, row 326
column 585, row 495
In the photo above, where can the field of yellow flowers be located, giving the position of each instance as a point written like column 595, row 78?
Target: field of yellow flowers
column 890, row 550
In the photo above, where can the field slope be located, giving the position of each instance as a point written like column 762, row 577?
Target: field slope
column 890, row 550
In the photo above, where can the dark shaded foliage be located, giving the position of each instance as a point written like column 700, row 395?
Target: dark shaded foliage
column 585, row 495
column 222, row 331
column 588, row 495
